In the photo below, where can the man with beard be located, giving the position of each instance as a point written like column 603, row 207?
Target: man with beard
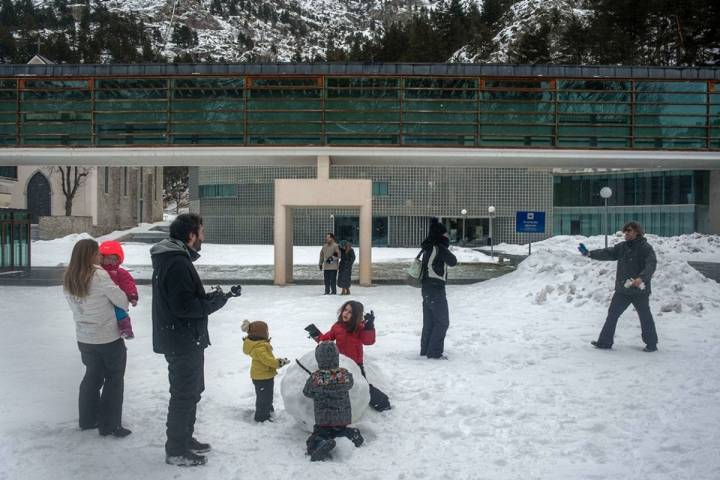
column 180, row 309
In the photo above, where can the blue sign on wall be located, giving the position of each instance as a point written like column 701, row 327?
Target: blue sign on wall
column 530, row 222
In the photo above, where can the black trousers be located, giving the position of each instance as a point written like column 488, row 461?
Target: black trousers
column 618, row 305
column 104, row 369
column 436, row 320
column 186, row 373
column 321, row 434
column 263, row 399
column 330, row 281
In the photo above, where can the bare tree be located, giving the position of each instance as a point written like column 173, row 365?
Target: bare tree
column 71, row 179
column 175, row 185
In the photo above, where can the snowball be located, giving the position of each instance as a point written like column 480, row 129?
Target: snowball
column 301, row 408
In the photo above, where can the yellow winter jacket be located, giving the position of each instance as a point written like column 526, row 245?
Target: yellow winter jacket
column 264, row 364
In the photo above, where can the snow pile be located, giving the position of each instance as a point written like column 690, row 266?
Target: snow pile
column 692, row 247
column 565, row 276
column 301, row 408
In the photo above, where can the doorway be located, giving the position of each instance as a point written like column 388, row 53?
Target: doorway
column 348, row 228
column 38, row 197
column 471, row 232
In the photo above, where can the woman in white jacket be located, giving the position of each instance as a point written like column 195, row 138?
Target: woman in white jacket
column 91, row 295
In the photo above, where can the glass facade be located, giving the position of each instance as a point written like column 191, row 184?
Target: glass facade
column 664, row 202
column 361, row 110
column 14, row 239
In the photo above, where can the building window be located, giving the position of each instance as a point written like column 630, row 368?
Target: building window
column 8, row 172
column 106, row 183
column 380, row 189
column 125, row 180
column 218, row 191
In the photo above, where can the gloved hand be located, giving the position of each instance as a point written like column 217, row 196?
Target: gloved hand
column 282, row 362
column 313, row 330
column 369, row 320
column 320, row 267
column 583, row 250
column 235, row 291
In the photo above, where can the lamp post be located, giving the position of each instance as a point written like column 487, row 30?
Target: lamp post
column 491, row 213
column 332, row 219
column 464, row 213
column 605, row 193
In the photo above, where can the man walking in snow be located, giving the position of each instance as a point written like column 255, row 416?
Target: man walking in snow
column 636, row 264
column 180, row 309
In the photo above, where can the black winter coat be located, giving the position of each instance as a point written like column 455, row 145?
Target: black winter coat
column 180, row 306
column 437, row 257
column 635, row 258
column 345, row 272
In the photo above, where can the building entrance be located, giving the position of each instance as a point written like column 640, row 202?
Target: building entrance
column 473, row 232
column 348, row 228
column 38, row 197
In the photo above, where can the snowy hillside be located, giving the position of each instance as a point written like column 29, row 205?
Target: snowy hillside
column 286, row 30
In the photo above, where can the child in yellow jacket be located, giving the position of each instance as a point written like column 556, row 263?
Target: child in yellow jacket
column 263, row 368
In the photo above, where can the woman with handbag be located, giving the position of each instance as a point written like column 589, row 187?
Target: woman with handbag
column 436, row 257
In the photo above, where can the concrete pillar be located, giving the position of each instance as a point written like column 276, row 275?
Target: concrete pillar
column 714, row 208
column 366, row 245
column 323, row 167
column 288, row 244
column 280, row 245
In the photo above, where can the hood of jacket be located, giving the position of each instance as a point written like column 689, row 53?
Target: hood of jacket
column 327, row 356
column 172, row 246
column 430, row 242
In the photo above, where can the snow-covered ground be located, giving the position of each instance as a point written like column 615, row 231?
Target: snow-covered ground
column 51, row 253
column 523, row 396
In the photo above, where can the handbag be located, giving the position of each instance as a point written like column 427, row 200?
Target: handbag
column 414, row 271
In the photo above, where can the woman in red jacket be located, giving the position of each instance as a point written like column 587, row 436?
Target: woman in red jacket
column 352, row 330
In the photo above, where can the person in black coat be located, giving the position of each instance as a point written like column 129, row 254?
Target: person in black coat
column 636, row 264
column 180, row 309
column 436, row 257
column 347, row 258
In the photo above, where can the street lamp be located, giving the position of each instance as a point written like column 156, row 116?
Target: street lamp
column 605, row 193
column 332, row 219
column 491, row 212
column 463, row 212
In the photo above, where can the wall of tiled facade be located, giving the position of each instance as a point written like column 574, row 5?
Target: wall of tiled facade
column 237, row 202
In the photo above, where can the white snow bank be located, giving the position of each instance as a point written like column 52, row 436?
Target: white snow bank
column 565, row 276
column 695, row 246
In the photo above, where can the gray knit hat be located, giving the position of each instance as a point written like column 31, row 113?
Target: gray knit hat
column 327, row 356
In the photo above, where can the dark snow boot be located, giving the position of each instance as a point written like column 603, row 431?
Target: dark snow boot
column 187, row 459
column 602, row 346
column 322, row 451
column 119, row 432
column 356, row 437
column 650, row 348
column 196, row 446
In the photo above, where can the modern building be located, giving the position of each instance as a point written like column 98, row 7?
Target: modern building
column 666, row 203
column 434, row 139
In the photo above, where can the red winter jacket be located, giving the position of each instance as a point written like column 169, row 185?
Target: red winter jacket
column 349, row 344
column 123, row 279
